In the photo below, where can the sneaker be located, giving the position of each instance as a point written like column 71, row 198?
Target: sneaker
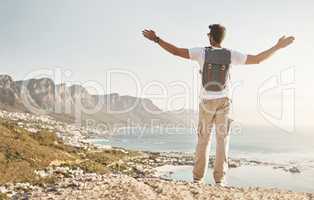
column 220, row 184
column 197, row 181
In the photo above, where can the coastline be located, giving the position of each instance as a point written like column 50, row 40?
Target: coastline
column 138, row 178
column 91, row 172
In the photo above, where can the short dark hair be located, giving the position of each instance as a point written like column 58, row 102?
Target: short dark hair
column 217, row 32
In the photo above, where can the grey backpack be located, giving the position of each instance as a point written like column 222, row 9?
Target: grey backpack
column 216, row 69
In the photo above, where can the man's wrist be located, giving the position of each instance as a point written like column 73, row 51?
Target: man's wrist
column 277, row 47
column 157, row 40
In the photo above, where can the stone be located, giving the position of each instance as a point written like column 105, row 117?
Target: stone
column 294, row 170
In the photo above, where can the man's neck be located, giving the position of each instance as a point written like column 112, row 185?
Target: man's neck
column 216, row 46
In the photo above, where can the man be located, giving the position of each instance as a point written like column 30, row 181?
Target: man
column 215, row 63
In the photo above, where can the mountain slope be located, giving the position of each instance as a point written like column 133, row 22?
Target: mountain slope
column 74, row 103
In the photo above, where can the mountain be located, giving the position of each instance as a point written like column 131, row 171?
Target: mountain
column 75, row 103
column 9, row 94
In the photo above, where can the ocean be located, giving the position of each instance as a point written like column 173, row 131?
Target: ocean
column 254, row 143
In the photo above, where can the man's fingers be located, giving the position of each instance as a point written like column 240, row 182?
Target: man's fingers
column 145, row 32
column 282, row 38
column 149, row 30
column 149, row 34
column 291, row 38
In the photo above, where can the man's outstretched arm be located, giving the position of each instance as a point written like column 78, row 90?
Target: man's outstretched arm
column 181, row 52
column 282, row 43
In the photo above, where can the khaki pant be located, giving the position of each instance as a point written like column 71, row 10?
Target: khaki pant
column 212, row 113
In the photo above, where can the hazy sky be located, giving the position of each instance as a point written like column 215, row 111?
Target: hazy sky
column 91, row 37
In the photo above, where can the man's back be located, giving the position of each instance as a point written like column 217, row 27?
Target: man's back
column 236, row 58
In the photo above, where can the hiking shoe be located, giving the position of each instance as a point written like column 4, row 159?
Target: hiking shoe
column 198, row 181
column 220, row 184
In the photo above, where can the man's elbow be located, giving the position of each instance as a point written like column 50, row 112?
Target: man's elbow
column 257, row 61
column 183, row 53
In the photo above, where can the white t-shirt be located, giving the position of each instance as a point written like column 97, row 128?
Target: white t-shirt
column 198, row 54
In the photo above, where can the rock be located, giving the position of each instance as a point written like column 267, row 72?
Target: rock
column 234, row 163
column 22, row 186
column 62, row 170
column 3, row 189
column 294, row 170
column 52, row 189
column 42, row 173
column 32, row 130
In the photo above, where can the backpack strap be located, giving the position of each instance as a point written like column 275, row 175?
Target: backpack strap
column 217, row 56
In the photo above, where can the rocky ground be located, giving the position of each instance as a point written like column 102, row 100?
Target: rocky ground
column 118, row 173
column 123, row 187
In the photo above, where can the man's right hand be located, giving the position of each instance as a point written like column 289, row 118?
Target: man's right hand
column 181, row 52
column 150, row 34
column 284, row 42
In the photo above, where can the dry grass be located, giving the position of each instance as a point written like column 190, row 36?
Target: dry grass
column 22, row 152
column 3, row 196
